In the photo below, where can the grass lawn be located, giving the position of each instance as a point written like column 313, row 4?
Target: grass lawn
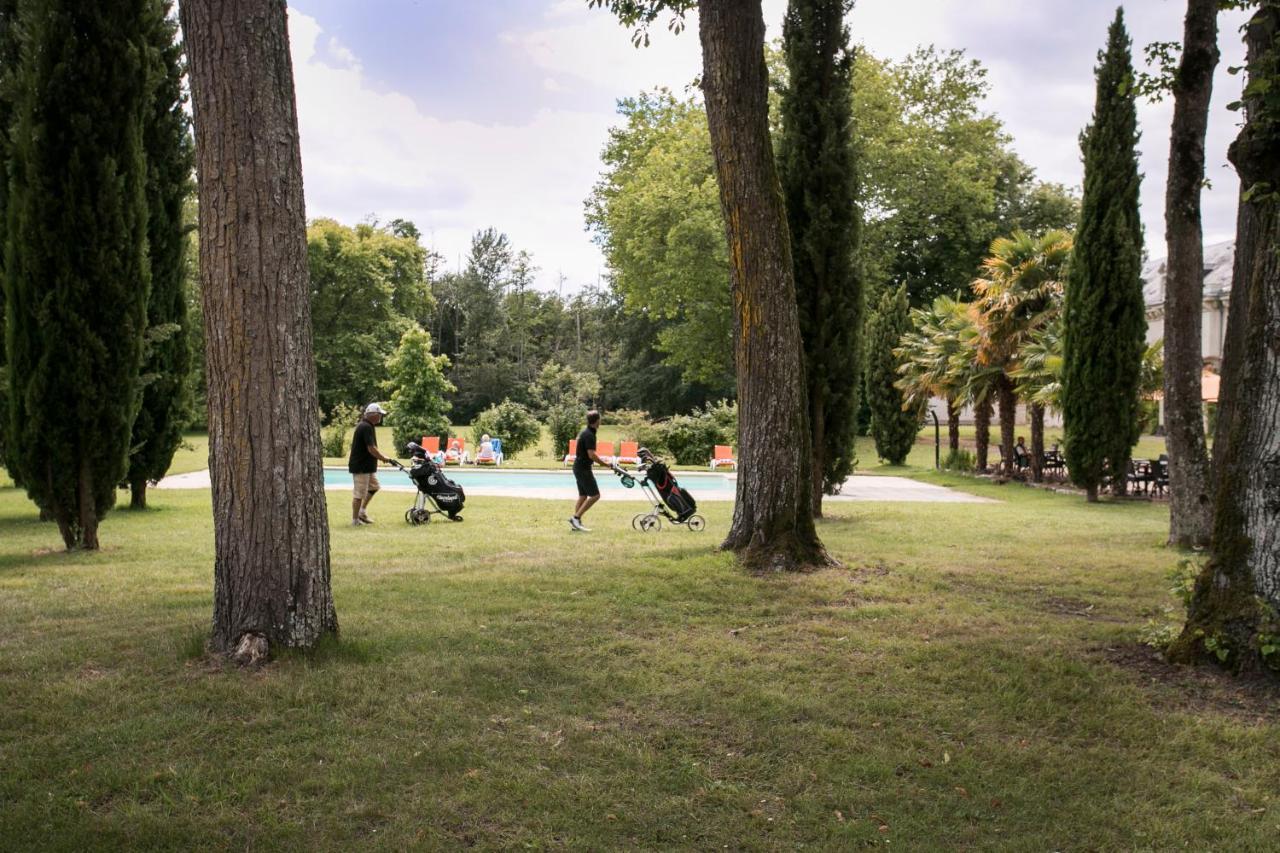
column 961, row 683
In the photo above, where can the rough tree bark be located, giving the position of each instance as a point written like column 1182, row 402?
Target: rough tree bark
column 1190, row 507
column 271, row 531
column 1244, row 565
column 953, row 424
column 1008, row 423
column 982, row 433
column 773, row 527
column 1037, row 441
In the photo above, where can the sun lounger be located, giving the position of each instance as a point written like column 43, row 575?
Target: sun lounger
column 629, row 453
column 723, row 456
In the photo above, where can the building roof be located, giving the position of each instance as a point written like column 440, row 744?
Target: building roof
column 1219, row 260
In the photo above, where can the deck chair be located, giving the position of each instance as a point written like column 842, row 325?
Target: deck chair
column 629, row 452
column 723, row 456
column 431, row 444
column 487, row 457
column 573, row 451
column 605, row 451
column 497, row 451
column 457, row 452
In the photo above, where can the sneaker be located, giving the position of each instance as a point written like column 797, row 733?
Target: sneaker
column 364, row 519
column 575, row 523
column 355, row 522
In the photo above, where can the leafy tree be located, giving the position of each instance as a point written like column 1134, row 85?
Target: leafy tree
column 1105, row 321
column 8, row 61
column 927, row 356
column 1233, row 617
column 894, row 420
column 558, row 384
column 166, row 402
column 76, row 271
column 511, row 422
column 563, row 424
column 819, row 173
column 362, row 279
column 419, row 390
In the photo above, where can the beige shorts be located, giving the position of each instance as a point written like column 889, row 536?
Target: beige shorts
column 365, row 485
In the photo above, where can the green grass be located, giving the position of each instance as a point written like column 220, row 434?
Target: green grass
column 504, row 683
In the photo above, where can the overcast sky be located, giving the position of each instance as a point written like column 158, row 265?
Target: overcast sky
column 464, row 114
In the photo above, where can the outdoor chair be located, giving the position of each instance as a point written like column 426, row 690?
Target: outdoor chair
column 723, row 455
column 605, row 451
column 431, row 444
column 457, row 452
column 573, row 452
column 629, row 452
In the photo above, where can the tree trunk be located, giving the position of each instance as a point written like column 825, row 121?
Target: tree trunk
column 1008, row 422
column 271, row 531
column 1037, row 441
column 953, row 425
column 982, row 432
column 1244, row 566
column 1189, row 503
column 773, row 519
column 817, row 419
column 138, row 494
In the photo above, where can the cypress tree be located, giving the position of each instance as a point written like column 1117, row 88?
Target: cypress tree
column 166, row 398
column 76, row 269
column 8, row 58
column 819, row 182
column 1104, row 320
column 894, row 423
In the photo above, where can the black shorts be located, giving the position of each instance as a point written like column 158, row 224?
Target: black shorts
column 587, row 486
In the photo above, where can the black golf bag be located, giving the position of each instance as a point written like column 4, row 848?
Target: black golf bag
column 677, row 499
column 446, row 495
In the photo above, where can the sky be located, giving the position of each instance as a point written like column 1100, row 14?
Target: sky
column 466, row 114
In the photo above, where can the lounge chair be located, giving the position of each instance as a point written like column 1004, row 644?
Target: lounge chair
column 723, row 456
column 489, row 456
column 457, row 452
column 573, row 452
column 630, row 452
column 497, row 450
column 605, row 451
column 431, row 444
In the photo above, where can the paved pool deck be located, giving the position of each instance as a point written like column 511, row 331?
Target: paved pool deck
column 860, row 487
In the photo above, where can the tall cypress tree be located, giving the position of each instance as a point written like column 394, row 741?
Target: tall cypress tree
column 894, row 423
column 76, row 268
column 1104, row 320
column 166, row 398
column 819, row 182
column 8, row 59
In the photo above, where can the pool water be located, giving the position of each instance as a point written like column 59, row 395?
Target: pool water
column 494, row 480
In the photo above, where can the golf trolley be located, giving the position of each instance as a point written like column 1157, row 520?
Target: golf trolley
column 669, row 500
column 437, row 494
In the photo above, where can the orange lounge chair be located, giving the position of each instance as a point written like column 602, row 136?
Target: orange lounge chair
column 431, row 444
column 489, row 458
column 457, row 452
column 630, row 452
column 723, row 456
column 573, row 451
column 605, row 451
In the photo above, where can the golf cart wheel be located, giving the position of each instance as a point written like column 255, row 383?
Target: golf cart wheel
column 635, row 522
column 421, row 516
column 408, row 516
column 651, row 523
column 697, row 523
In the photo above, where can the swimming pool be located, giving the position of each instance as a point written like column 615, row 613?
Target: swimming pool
column 539, row 483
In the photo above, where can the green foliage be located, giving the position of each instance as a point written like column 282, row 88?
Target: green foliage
column 337, row 431
column 367, row 288
column 818, row 170
column 564, row 422
column 76, row 270
column 9, row 43
column 511, row 422
column 558, row 385
column 165, row 378
column 418, row 390
column 691, row 438
column 961, row 461
column 1104, row 320
column 894, row 420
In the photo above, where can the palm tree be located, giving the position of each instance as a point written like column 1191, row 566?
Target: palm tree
column 1018, row 292
column 1037, row 377
column 925, row 358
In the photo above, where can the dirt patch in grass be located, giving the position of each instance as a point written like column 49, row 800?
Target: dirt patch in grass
column 1198, row 689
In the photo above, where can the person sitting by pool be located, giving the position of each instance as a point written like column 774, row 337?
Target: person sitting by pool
column 1021, row 457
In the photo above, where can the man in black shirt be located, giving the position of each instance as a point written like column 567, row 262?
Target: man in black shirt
column 588, row 489
column 363, row 464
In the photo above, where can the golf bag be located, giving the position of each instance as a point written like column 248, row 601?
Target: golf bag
column 444, row 494
column 677, row 499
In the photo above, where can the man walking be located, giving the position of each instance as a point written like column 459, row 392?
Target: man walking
column 588, row 489
column 363, row 464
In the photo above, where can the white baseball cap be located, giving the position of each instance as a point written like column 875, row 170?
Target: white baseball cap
column 374, row 409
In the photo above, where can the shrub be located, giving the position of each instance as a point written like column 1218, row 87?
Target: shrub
column 336, row 433
column 635, row 425
column 511, row 422
column 959, row 460
column 563, row 423
column 691, row 438
column 418, row 406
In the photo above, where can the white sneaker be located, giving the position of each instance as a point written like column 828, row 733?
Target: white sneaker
column 364, row 519
column 355, row 522
column 575, row 524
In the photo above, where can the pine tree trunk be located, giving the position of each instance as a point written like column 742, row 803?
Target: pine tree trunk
column 1037, row 441
column 817, row 419
column 1008, row 423
column 953, row 425
column 138, row 494
column 773, row 525
column 1245, row 558
column 1189, row 503
column 982, row 433
column 271, row 532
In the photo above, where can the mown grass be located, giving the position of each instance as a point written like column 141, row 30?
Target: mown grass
column 504, row 683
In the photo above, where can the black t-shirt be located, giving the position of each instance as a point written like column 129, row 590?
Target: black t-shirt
column 361, row 460
column 586, row 441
